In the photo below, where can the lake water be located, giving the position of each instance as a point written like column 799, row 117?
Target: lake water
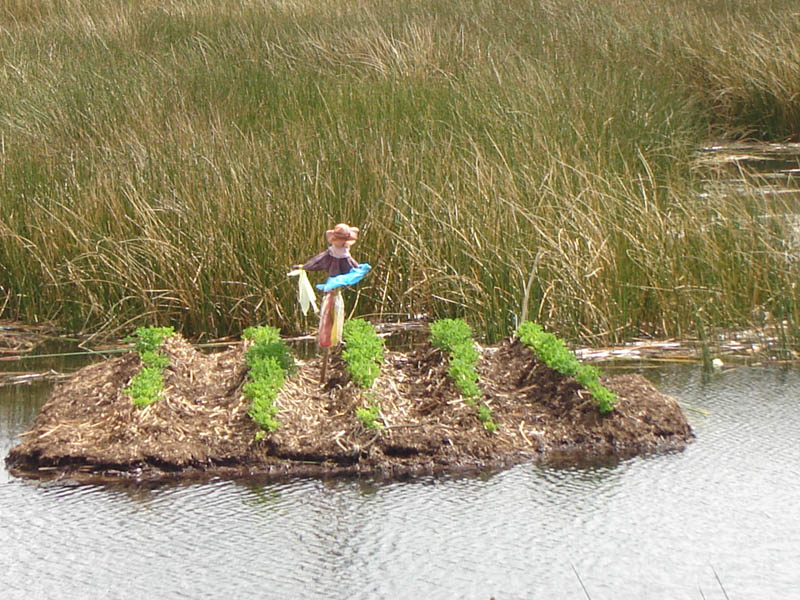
column 718, row 520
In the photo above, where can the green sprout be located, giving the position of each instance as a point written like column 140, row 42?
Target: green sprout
column 369, row 415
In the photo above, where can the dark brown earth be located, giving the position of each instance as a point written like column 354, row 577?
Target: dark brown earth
column 89, row 426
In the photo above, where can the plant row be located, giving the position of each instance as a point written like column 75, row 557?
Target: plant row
column 454, row 337
column 551, row 351
column 363, row 355
column 147, row 386
column 269, row 362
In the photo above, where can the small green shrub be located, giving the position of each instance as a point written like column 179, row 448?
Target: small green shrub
column 149, row 339
column 267, row 343
column 369, row 416
column 552, row 352
column 262, row 390
column 269, row 361
column 548, row 348
column 147, row 385
column 448, row 333
column 454, row 337
column 587, row 375
column 485, row 416
column 605, row 398
column 462, row 371
column 154, row 359
column 363, row 353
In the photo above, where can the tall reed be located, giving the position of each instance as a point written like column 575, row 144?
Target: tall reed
column 167, row 162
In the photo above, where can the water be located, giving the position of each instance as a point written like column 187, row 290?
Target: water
column 720, row 518
column 769, row 170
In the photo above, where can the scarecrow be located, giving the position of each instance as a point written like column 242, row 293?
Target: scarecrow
column 343, row 270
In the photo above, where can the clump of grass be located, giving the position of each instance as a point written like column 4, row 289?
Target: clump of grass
column 269, row 361
column 454, row 337
column 363, row 353
column 147, row 386
column 551, row 351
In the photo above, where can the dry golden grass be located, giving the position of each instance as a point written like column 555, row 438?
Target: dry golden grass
column 167, row 162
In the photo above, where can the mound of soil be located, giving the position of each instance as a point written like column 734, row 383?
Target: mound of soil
column 90, row 426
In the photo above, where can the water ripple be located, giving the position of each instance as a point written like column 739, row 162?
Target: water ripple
column 656, row 527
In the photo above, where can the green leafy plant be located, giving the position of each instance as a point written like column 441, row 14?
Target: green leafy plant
column 269, row 361
column 147, row 386
column 448, row 333
column 551, row 351
column 267, row 344
column 369, row 415
column 149, row 339
column 485, row 416
column 154, row 359
column 454, row 337
column 462, row 371
column 262, row 390
column 363, row 353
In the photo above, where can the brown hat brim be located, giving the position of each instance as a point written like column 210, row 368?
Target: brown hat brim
column 338, row 234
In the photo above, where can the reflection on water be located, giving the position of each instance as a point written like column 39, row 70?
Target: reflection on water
column 658, row 527
column 18, row 408
column 771, row 168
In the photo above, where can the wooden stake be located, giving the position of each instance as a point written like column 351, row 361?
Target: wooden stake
column 323, row 373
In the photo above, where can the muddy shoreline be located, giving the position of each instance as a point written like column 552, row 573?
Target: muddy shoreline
column 90, row 429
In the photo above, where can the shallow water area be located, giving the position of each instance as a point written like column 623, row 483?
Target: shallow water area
column 717, row 519
column 773, row 162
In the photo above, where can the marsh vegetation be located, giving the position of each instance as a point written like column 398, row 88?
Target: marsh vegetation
column 166, row 162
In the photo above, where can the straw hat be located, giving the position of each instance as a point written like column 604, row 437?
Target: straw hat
column 343, row 233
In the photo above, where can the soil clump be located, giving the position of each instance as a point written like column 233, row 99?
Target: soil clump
column 89, row 427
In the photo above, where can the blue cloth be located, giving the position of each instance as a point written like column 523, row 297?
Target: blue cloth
column 350, row 278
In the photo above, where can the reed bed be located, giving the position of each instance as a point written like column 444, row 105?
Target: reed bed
column 167, row 162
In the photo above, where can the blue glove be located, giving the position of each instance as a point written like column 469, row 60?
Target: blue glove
column 351, row 278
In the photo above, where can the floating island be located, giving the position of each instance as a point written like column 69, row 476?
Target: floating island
column 90, row 428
